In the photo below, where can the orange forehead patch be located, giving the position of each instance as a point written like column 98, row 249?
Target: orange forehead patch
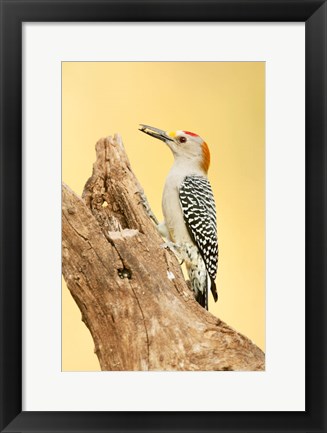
column 205, row 156
column 172, row 134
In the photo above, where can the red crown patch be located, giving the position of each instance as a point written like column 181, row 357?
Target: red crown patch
column 190, row 133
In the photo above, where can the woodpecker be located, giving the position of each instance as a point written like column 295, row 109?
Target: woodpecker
column 189, row 209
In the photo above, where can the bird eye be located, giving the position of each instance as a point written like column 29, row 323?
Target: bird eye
column 182, row 139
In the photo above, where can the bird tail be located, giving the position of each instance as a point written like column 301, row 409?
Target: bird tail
column 201, row 281
column 213, row 289
column 202, row 294
column 202, row 297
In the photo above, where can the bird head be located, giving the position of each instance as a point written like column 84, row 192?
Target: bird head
column 183, row 144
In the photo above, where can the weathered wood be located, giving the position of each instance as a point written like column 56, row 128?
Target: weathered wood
column 130, row 290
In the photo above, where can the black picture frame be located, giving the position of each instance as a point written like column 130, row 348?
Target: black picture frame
column 13, row 14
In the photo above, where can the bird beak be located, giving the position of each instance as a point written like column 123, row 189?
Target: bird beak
column 155, row 132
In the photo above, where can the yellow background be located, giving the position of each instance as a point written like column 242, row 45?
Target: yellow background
column 223, row 102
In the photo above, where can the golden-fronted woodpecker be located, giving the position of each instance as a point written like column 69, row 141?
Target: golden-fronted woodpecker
column 189, row 209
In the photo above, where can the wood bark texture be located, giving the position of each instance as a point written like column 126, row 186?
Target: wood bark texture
column 130, row 289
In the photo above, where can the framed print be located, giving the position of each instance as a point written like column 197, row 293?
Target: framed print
column 229, row 86
column 98, row 100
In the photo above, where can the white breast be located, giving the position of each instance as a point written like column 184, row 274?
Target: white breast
column 171, row 207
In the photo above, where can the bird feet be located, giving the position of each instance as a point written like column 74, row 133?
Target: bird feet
column 169, row 245
column 176, row 249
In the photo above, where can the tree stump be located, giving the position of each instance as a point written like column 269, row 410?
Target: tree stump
column 130, row 290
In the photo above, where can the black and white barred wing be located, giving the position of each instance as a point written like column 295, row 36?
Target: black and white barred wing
column 199, row 210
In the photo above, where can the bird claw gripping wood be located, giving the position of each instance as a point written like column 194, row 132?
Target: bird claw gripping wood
column 146, row 206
